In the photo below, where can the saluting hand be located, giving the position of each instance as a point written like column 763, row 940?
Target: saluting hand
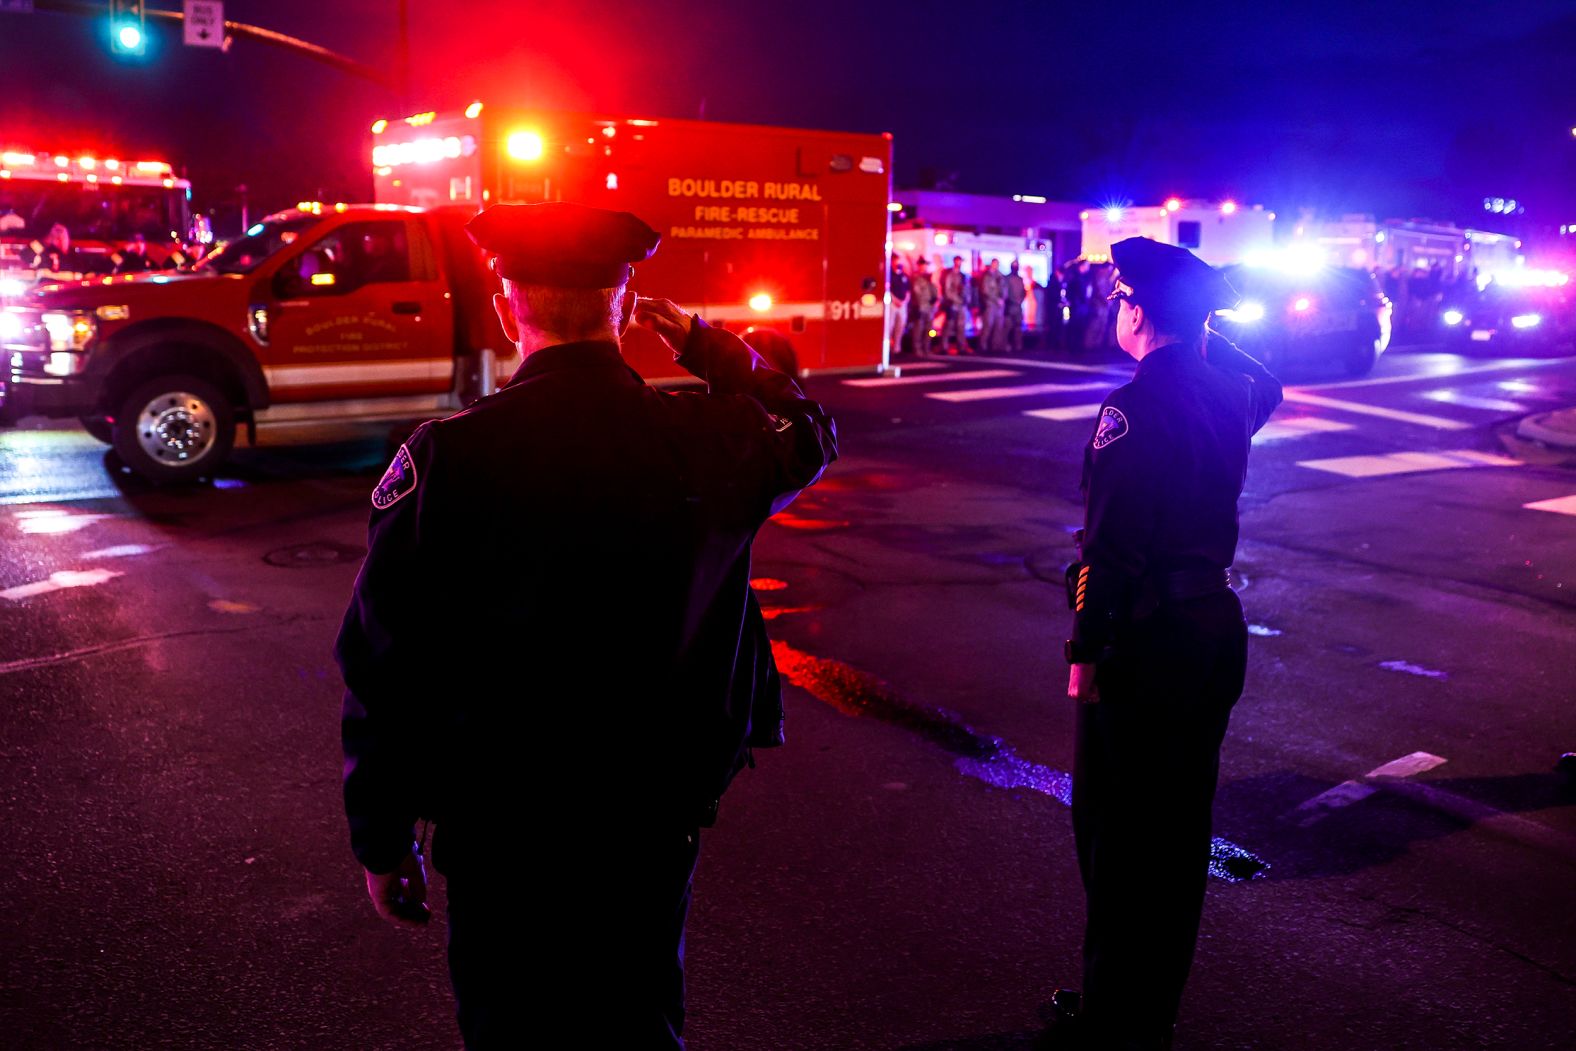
column 664, row 320
column 1080, row 684
column 401, row 896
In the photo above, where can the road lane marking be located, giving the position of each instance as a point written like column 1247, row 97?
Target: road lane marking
column 60, row 581
column 1408, row 765
column 1560, row 505
column 1343, row 795
column 1407, row 463
column 1468, row 401
column 55, row 521
column 1413, row 669
column 1067, row 412
column 1298, row 427
column 1438, row 374
column 1439, row 423
column 1029, row 363
column 931, row 377
column 30, row 663
column 224, row 605
column 119, row 551
column 1027, row 390
column 988, row 759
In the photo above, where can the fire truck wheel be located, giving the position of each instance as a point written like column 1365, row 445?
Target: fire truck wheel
column 174, row 429
column 100, row 428
column 1360, row 360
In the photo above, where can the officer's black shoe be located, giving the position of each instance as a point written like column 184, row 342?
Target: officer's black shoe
column 1066, row 1027
column 1566, row 764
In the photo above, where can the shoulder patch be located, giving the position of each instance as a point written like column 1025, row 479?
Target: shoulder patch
column 398, row 482
column 779, row 423
column 1113, row 425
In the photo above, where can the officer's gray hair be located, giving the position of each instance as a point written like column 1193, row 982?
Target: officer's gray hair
column 570, row 313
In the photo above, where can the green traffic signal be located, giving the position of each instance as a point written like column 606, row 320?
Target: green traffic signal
column 126, row 33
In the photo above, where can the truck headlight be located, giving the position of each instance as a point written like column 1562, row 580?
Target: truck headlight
column 1527, row 320
column 69, row 331
column 1453, row 317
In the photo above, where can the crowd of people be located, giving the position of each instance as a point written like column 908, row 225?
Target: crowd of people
column 1417, row 296
column 1001, row 309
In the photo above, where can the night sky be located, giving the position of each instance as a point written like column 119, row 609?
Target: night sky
column 1404, row 109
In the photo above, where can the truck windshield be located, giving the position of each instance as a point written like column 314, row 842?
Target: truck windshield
column 98, row 211
column 261, row 241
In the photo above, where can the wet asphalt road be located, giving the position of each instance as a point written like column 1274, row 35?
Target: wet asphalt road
column 901, row 876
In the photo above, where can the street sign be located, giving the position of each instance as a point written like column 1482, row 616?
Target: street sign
column 20, row 7
column 204, row 23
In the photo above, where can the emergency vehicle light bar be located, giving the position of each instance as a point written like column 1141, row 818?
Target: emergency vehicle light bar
column 20, row 164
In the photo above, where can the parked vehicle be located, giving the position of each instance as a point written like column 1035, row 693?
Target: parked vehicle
column 1321, row 314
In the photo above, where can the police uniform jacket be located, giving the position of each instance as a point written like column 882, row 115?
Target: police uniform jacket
column 554, row 626
column 1161, row 477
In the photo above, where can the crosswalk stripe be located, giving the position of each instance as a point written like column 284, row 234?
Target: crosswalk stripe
column 1298, row 427
column 1560, row 505
column 931, row 377
column 1067, row 412
column 1439, row 423
column 993, row 393
column 1406, row 463
column 1438, row 373
column 1469, row 401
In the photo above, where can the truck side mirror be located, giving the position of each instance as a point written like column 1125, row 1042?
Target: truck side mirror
column 311, row 272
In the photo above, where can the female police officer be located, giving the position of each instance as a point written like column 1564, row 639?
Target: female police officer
column 1159, row 645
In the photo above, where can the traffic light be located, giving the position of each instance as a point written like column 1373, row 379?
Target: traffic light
column 127, row 28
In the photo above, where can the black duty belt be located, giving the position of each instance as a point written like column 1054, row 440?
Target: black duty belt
column 1187, row 584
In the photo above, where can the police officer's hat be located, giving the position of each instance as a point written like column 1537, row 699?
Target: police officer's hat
column 1168, row 277
column 562, row 245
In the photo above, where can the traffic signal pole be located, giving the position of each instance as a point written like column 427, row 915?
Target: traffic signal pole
column 239, row 30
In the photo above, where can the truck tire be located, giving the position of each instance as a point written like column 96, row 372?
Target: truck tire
column 174, row 429
column 100, row 428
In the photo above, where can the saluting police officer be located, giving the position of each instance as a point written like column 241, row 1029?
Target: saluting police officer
column 1159, row 645
column 552, row 649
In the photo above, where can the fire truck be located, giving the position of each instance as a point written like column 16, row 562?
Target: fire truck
column 761, row 226
column 1219, row 234
column 101, row 201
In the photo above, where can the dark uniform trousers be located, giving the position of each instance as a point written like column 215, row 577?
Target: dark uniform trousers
column 606, row 955
column 1162, row 475
column 1146, row 763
